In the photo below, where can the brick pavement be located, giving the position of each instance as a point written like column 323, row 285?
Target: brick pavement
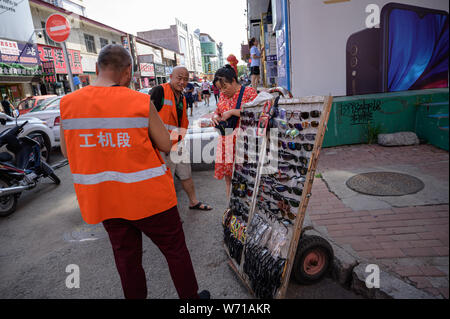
column 412, row 242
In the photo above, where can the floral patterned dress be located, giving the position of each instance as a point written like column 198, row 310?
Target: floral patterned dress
column 225, row 147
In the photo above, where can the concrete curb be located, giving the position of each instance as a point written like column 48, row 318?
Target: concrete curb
column 349, row 270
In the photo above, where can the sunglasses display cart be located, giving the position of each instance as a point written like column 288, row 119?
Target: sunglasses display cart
column 277, row 149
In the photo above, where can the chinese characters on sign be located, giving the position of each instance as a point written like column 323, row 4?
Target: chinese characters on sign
column 147, row 69
column 18, row 58
column 48, row 68
column 122, row 139
column 55, row 54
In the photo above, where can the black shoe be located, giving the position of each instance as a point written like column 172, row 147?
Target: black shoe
column 204, row 294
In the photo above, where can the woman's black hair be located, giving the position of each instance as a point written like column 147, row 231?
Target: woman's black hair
column 225, row 74
column 251, row 42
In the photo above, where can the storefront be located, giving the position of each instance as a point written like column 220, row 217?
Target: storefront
column 147, row 75
column 269, row 24
column 58, row 82
column 19, row 70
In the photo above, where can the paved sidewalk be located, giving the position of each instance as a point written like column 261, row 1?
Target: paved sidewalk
column 411, row 241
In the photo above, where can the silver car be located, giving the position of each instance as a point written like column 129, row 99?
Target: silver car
column 49, row 112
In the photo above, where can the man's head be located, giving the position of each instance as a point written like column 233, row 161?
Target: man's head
column 6, row 97
column 179, row 78
column 115, row 64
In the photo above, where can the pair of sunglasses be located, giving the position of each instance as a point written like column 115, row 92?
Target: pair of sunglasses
column 283, row 188
column 303, row 115
column 248, row 114
column 312, row 124
column 286, row 168
column 298, row 146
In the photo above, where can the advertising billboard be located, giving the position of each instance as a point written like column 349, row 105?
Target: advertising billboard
column 368, row 46
column 16, row 22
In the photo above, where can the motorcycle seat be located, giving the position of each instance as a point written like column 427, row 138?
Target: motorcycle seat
column 5, row 157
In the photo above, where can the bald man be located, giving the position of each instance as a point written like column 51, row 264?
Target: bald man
column 172, row 93
column 111, row 136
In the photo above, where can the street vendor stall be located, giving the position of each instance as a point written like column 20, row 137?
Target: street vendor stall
column 277, row 151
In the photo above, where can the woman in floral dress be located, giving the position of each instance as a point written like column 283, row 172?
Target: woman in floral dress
column 228, row 84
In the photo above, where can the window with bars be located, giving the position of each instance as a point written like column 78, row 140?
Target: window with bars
column 103, row 43
column 90, row 43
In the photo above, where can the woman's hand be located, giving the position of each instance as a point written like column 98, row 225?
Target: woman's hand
column 226, row 115
column 216, row 119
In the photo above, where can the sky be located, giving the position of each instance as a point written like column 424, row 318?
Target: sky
column 223, row 20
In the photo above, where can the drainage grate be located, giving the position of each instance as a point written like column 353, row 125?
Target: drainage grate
column 385, row 184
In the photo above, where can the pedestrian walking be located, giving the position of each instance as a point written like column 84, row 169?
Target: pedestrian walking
column 170, row 103
column 196, row 94
column 255, row 65
column 205, row 91
column 111, row 136
column 216, row 92
column 227, row 82
column 188, row 94
column 8, row 108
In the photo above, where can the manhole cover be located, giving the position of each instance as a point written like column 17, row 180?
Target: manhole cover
column 385, row 184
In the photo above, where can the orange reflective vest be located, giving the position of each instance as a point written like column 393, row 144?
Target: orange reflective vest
column 116, row 171
column 169, row 116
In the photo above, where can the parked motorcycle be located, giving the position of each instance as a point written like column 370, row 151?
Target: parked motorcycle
column 21, row 172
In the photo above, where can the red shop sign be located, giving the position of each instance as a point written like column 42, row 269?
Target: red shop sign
column 55, row 54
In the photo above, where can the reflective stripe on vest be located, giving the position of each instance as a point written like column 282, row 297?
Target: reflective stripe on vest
column 105, row 123
column 93, row 179
column 171, row 127
column 168, row 102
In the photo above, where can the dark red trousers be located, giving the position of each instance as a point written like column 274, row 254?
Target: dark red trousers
column 166, row 232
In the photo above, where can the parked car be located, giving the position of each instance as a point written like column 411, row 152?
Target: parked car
column 49, row 112
column 27, row 104
column 35, row 129
column 145, row 90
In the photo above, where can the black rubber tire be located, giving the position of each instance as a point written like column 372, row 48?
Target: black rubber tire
column 10, row 201
column 55, row 178
column 44, row 142
column 306, row 245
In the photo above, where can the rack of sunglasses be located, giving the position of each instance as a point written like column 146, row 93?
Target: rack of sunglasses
column 277, row 150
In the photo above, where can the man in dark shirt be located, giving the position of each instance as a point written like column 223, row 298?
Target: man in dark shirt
column 7, row 106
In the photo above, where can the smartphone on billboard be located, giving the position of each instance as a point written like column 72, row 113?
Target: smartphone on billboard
column 363, row 62
column 414, row 48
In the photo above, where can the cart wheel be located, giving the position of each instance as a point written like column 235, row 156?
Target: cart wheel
column 313, row 259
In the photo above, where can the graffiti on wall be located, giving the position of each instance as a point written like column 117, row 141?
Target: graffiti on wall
column 360, row 112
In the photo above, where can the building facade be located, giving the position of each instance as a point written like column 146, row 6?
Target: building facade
column 181, row 40
column 86, row 39
column 209, row 54
column 20, row 70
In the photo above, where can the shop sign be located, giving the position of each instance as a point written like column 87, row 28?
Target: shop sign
column 160, row 69
column 49, row 72
column 125, row 43
column 147, row 69
column 55, row 54
column 169, row 70
column 18, row 59
column 18, row 53
column 167, row 54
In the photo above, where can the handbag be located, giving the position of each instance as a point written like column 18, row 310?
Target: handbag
column 225, row 126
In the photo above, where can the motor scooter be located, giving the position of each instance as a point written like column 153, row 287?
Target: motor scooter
column 22, row 171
